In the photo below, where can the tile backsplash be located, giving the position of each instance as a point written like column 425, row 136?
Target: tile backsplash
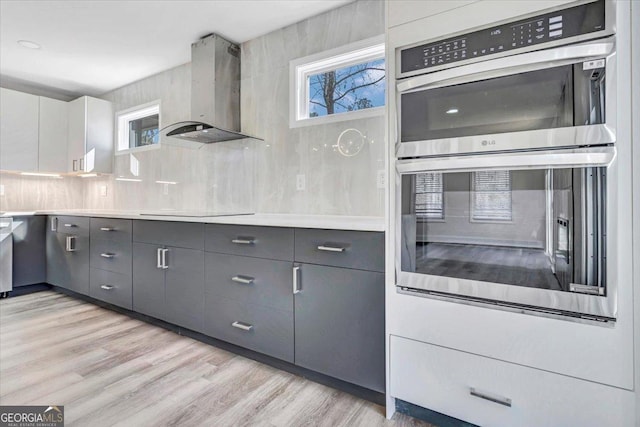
column 238, row 176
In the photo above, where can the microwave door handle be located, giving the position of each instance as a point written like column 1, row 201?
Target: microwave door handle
column 508, row 65
column 531, row 160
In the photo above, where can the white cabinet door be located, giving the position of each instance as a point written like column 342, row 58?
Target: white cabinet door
column 77, row 134
column 99, row 144
column 18, row 131
column 90, row 143
column 52, row 150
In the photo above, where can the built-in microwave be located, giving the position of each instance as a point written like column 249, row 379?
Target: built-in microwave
column 533, row 83
column 506, row 165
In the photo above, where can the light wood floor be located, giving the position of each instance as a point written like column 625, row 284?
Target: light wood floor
column 109, row 369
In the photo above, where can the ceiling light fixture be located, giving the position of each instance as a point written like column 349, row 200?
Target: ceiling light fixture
column 87, row 175
column 29, row 44
column 452, row 110
column 166, row 182
column 129, row 179
column 49, row 175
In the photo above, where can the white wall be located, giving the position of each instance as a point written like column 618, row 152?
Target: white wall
column 335, row 184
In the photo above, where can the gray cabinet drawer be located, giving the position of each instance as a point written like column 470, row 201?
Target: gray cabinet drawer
column 179, row 234
column 111, row 287
column 269, row 331
column 270, row 282
column 363, row 250
column 111, row 229
column 111, row 255
column 247, row 240
column 76, row 225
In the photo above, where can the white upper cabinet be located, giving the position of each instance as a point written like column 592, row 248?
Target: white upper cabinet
column 52, row 148
column 18, row 131
column 34, row 133
column 90, row 142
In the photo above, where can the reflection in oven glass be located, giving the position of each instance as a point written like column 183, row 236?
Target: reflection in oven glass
column 534, row 228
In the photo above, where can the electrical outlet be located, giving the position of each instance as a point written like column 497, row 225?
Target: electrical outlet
column 1, row 189
column 103, row 190
column 300, row 182
column 381, row 179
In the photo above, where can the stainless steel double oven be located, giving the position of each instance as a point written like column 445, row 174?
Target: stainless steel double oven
column 506, row 164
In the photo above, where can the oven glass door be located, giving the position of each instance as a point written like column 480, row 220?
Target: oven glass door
column 550, row 98
column 518, row 235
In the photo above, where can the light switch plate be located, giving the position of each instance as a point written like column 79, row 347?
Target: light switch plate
column 1, row 189
column 103, row 190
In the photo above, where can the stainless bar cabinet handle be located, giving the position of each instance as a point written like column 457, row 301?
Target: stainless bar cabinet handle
column 247, row 280
column 296, row 271
column 242, row 325
column 244, row 240
column 70, row 247
column 75, row 165
column 107, row 229
column 70, row 225
column 328, row 248
column 107, row 255
column 164, row 259
column 107, row 287
column 490, row 397
column 54, row 224
column 159, row 258
column 82, row 164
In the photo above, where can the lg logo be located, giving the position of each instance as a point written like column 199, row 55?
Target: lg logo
column 486, row 142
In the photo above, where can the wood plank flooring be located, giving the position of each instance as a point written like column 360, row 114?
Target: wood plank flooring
column 108, row 369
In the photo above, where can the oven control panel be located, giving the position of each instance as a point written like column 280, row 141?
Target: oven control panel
column 537, row 30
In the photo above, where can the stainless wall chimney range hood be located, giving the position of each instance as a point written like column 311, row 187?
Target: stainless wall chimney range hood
column 215, row 94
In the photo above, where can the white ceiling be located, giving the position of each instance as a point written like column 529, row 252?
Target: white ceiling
column 92, row 47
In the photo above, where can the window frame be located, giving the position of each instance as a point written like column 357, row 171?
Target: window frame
column 423, row 217
column 123, row 117
column 472, row 205
column 300, row 69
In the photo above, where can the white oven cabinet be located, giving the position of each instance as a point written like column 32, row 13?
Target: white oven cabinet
column 90, row 139
column 490, row 392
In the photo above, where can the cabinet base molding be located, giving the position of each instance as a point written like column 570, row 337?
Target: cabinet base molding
column 360, row 392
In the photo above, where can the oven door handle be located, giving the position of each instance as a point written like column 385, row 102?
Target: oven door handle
column 509, row 65
column 602, row 156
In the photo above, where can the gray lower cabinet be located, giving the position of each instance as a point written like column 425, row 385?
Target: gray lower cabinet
column 339, row 324
column 184, row 287
column 110, row 261
column 29, row 250
column 67, row 242
column 148, row 281
column 249, row 302
column 168, row 284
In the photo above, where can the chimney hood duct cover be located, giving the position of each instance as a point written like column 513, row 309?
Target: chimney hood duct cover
column 215, row 94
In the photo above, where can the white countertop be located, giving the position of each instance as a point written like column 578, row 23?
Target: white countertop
column 334, row 222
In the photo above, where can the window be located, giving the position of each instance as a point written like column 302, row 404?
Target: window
column 343, row 84
column 429, row 195
column 139, row 127
column 491, row 196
